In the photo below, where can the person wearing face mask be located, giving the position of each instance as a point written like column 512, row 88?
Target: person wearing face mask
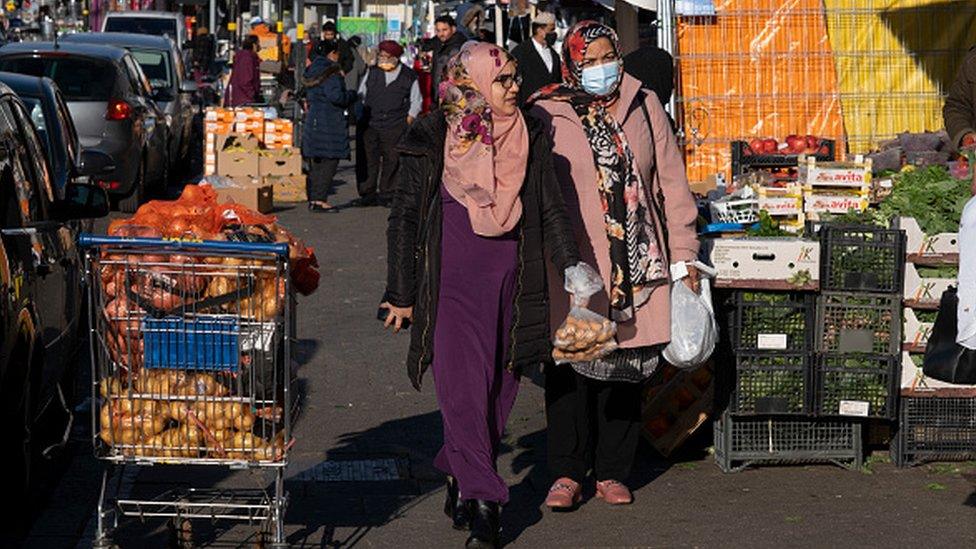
column 625, row 188
column 476, row 202
column 538, row 62
column 391, row 101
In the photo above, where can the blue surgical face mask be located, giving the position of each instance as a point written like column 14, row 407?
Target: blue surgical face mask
column 601, row 79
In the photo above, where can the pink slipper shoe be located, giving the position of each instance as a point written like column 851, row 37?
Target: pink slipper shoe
column 564, row 494
column 613, row 492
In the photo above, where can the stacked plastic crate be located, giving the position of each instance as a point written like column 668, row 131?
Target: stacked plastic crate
column 936, row 420
column 769, row 418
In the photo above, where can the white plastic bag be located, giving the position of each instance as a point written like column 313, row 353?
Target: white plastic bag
column 694, row 331
column 584, row 335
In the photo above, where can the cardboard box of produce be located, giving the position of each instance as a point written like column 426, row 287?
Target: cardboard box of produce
column 923, row 249
column 767, row 263
column 287, row 188
column 923, row 290
column 281, row 162
column 254, row 194
column 238, row 156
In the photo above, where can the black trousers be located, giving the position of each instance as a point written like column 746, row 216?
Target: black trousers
column 591, row 425
column 382, row 160
column 318, row 182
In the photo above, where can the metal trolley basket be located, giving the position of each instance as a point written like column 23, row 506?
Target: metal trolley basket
column 190, row 349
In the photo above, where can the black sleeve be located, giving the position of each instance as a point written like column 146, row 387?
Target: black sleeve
column 401, row 233
column 557, row 230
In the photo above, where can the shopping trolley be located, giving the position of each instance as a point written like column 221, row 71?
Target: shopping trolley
column 190, row 351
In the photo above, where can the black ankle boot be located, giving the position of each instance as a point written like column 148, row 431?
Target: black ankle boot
column 484, row 524
column 456, row 509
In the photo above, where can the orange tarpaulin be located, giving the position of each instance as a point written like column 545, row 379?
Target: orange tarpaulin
column 759, row 68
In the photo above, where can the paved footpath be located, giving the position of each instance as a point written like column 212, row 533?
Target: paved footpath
column 361, row 473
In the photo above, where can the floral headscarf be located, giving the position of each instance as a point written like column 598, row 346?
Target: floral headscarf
column 637, row 261
column 486, row 152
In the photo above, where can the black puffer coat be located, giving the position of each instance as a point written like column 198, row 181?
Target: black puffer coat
column 414, row 240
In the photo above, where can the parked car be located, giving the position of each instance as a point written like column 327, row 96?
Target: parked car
column 39, row 279
column 154, row 23
column 52, row 120
column 111, row 104
column 161, row 62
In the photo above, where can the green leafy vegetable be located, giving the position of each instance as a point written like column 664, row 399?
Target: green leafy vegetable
column 931, row 195
column 767, row 227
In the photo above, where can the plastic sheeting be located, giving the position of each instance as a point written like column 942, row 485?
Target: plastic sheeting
column 895, row 59
column 760, row 68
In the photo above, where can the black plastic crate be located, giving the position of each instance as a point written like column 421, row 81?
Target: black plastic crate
column 935, row 429
column 857, row 385
column 862, row 258
column 772, row 383
column 742, row 160
column 865, row 323
column 773, row 321
column 744, row 441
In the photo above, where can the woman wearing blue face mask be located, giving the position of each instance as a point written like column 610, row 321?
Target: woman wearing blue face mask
column 625, row 189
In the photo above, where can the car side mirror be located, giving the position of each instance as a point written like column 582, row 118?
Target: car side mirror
column 94, row 162
column 188, row 86
column 82, row 201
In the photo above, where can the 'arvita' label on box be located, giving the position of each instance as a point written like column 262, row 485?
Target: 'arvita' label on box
column 853, row 408
column 775, row 342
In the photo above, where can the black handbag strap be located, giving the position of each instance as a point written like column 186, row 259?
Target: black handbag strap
column 657, row 193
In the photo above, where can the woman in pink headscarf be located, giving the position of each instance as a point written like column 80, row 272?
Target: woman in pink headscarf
column 476, row 199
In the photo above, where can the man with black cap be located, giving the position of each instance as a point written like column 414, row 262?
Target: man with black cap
column 391, row 101
column 538, row 62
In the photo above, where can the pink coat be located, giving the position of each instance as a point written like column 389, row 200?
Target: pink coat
column 576, row 171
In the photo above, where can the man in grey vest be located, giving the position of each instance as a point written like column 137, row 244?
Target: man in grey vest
column 391, row 100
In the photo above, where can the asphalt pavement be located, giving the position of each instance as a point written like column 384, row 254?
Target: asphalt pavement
column 360, row 474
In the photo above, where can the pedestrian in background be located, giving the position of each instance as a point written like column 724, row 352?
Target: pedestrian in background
column 355, row 75
column 391, row 101
column 204, row 50
column 245, row 76
column 959, row 112
column 538, row 62
column 346, row 58
column 477, row 177
column 325, row 135
column 447, row 43
column 625, row 186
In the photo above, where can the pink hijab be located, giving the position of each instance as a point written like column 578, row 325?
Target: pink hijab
column 486, row 153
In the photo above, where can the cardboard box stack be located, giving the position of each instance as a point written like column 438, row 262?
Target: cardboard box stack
column 255, row 156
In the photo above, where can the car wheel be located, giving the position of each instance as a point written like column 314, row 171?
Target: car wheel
column 17, row 432
column 132, row 202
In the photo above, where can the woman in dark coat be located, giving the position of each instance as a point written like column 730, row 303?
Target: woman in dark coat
column 245, row 77
column 477, row 197
column 325, row 137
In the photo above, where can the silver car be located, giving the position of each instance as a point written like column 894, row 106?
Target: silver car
column 160, row 61
column 111, row 105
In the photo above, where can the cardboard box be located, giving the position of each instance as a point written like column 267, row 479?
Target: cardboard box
column 287, row 188
column 281, row 162
column 255, row 195
column 855, row 174
column 238, row 156
column 916, row 333
column 923, row 249
column 924, row 292
column 767, row 263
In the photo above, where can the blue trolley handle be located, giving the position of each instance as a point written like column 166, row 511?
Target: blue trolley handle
column 86, row 240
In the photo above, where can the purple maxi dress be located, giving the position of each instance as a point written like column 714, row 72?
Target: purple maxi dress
column 475, row 391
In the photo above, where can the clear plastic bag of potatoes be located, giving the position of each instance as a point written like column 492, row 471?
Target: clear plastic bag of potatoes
column 585, row 335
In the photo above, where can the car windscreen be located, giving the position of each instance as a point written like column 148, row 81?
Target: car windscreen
column 36, row 111
column 80, row 79
column 155, row 65
column 142, row 25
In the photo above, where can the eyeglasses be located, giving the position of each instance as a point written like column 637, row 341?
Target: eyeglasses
column 508, row 80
